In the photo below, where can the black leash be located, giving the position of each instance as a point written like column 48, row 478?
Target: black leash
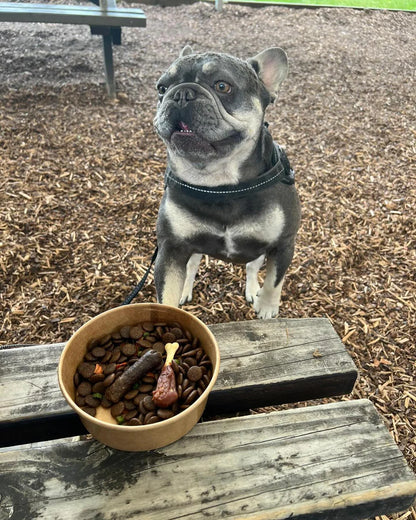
column 139, row 286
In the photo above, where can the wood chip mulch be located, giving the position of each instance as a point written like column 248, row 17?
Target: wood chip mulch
column 82, row 177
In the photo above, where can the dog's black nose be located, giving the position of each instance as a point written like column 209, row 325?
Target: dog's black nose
column 183, row 95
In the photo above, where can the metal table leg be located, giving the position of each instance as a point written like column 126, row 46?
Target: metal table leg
column 108, row 65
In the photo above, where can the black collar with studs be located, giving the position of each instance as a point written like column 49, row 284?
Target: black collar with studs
column 279, row 172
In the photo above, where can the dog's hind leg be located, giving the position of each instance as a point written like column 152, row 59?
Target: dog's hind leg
column 252, row 283
column 191, row 270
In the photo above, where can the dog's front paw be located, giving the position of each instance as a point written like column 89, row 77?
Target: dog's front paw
column 252, row 288
column 186, row 296
column 265, row 307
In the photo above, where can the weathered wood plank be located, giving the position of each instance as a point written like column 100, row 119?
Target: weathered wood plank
column 322, row 462
column 71, row 14
column 279, row 361
column 262, row 363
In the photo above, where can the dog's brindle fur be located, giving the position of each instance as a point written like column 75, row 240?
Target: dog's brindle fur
column 211, row 117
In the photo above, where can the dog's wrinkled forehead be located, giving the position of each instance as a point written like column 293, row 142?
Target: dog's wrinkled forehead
column 207, row 68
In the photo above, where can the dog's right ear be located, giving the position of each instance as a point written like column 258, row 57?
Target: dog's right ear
column 271, row 67
column 186, row 51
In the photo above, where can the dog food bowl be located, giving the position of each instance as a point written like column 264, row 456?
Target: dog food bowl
column 148, row 436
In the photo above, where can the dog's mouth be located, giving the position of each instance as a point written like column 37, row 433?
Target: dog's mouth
column 187, row 141
column 183, row 136
column 183, row 128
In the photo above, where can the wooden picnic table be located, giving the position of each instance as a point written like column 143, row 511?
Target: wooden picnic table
column 104, row 18
column 325, row 461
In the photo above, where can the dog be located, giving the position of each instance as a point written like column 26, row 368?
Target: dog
column 229, row 189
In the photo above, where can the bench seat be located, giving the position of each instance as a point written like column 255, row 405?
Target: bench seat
column 320, row 462
column 263, row 363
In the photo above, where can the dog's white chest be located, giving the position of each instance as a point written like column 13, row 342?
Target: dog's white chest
column 265, row 229
column 185, row 225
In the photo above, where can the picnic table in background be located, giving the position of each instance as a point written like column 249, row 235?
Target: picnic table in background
column 104, row 18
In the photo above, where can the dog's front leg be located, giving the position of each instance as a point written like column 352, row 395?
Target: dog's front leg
column 252, row 284
column 191, row 271
column 170, row 271
column 267, row 301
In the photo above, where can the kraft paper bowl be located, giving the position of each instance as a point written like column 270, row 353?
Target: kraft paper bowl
column 142, row 437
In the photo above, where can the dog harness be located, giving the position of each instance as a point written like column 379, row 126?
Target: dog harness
column 279, row 172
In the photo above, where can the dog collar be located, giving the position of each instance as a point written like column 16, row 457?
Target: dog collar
column 279, row 172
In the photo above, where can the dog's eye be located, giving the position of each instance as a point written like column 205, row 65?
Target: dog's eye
column 161, row 89
column 223, row 87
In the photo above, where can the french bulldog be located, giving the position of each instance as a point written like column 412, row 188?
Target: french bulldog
column 229, row 190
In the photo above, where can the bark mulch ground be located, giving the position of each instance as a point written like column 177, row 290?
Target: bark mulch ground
column 82, row 177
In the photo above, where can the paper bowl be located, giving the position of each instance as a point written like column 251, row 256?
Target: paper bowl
column 142, row 437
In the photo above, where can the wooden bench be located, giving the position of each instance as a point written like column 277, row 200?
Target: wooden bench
column 105, row 19
column 317, row 462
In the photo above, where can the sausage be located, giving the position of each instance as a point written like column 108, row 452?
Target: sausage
column 149, row 361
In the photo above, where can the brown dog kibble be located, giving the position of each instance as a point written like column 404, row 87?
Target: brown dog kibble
column 194, row 373
column 99, row 376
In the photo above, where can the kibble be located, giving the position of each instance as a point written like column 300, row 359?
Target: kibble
column 105, row 340
column 108, row 357
column 136, row 332
column 130, row 415
column 115, row 355
column 84, row 388
column 96, row 378
column 79, row 400
column 134, row 422
column 144, row 389
column 168, row 337
column 98, row 352
column 109, row 379
column 89, row 410
column 190, row 361
column 131, row 394
column 105, row 403
column 117, row 409
column 86, row 370
column 125, row 332
column 92, row 401
column 148, row 403
column 148, row 326
column 164, row 413
column 128, row 349
column 192, row 396
column 194, row 373
column 145, row 343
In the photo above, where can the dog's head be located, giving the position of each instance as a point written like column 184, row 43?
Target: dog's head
column 211, row 105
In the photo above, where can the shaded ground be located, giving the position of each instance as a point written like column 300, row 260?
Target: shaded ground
column 81, row 178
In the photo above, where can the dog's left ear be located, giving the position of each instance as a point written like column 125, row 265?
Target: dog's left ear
column 271, row 67
column 186, row 51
